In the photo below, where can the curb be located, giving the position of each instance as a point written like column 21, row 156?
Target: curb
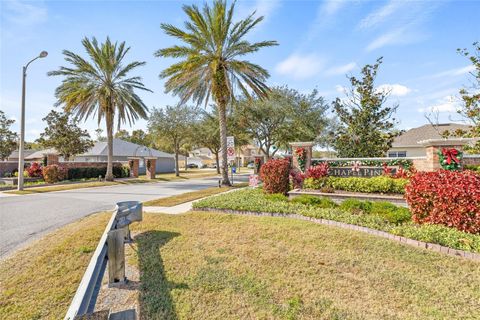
column 411, row 242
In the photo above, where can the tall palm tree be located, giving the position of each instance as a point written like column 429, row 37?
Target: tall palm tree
column 211, row 67
column 101, row 88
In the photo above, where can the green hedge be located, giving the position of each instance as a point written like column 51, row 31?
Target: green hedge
column 95, row 172
column 380, row 216
column 380, row 184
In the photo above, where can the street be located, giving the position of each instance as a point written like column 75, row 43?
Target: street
column 28, row 217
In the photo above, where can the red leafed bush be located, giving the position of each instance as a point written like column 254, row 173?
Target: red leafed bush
column 275, row 176
column 54, row 173
column 451, row 198
column 35, row 170
column 297, row 178
column 317, row 172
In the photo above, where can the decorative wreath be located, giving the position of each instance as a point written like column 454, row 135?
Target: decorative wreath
column 450, row 158
column 301, row 158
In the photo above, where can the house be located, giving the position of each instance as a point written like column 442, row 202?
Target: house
column 247, row 154
column 14, row 155
column 406, row 144
column 122, row 150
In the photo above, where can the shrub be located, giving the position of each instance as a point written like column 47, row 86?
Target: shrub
column 35, row 170
column 356, row 206
column 321, row 202
column 54, row 173
column 317, row 172
column 276, row 197
column 275, row 176
column 95, row 172
column 297, row 178
column 382, row 184
column 450, row 198
column 391, row 212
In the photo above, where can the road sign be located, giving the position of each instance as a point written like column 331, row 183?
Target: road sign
column 230, row 148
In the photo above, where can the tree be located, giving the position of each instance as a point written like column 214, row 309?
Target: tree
column 366, row 126
column 101, row 88
column 470, row 96
column 63, row 133
column 8, row 138
column 174, row 125
column 285, row 116
column 211, row 68
column 122, row 134
column 98, row 134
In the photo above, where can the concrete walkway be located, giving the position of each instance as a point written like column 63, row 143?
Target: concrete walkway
column 180, row 208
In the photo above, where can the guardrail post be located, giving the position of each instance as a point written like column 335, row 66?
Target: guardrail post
column 116, row 257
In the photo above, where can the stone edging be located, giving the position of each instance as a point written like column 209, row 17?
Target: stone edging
column 414, row 243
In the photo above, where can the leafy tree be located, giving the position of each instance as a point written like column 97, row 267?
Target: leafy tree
column 140, row 137
column 8, row 138
column 122, row 134
column 471, row 95
column 366, row 125
column 284, row 117
column 98, row 134
column 63, row 133
column 211, row 66
column 101, row 88
column 174, row 126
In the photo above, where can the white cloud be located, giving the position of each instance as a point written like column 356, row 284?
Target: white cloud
column 454, row 72
column 447, row 104
column 263, row 8
column 396, row 90
column 340, row 89
column 23, row 13
column 330, row 7
column 301, row 66
column 339, row 70
column 380, row 15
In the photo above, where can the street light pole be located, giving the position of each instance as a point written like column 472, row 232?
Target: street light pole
column 42, row 54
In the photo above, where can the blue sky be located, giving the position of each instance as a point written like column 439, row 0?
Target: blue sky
column 320, row 42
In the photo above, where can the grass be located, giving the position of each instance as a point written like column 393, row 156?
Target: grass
column 190, row 196
column 216, row 266
column 219, row 266
column 39, row 282
column 385, row 220
column 184, row 175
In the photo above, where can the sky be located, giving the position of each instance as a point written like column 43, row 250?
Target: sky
column 321, row 42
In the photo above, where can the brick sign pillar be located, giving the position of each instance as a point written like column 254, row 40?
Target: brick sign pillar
column 52, row 159
column 151, row 165
column 307, row 146
column 134, row 164
column 433, row 147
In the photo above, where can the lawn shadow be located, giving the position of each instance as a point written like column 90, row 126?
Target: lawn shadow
column 155, row 290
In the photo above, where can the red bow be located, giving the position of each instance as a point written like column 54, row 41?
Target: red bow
column 450, row 154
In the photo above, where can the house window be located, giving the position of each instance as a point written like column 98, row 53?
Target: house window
column 397, row 154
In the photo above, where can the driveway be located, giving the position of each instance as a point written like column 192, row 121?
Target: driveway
column 27, row 217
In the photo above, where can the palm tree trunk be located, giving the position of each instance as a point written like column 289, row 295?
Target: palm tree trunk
column 222, row 115
column 177, row 171
column 217, row 161
column 109, row 120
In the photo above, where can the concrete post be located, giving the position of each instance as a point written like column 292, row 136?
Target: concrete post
column 134, row 164
column 151, row 165
column 307, row 146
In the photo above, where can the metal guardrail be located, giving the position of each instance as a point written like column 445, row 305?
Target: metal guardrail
column 110, row 250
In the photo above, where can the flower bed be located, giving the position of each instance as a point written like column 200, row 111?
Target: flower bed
column 382, row 184
column 384, row 217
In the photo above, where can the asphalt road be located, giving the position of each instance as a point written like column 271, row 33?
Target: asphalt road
column 25, row 218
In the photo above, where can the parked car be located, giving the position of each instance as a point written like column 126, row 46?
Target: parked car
column 251, row 165
column 192, row 166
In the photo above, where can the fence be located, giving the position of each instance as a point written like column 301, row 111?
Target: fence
column 110, row 251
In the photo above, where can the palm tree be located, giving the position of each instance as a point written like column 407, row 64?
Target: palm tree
column 211, row 65
column 101, row 88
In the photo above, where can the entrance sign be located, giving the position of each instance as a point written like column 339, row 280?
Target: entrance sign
column 358, row 172
column 230, row 148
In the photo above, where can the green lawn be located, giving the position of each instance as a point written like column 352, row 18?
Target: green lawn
column 217, row 266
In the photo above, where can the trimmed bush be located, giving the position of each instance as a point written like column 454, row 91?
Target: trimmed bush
column 356, row 206
column 450, row 198
column 321, row 202
column 381, row 184
column 276, row 197
column 317, row 172
column 275, row 176
column 35, row 170
column 391, row 212
column 54, row 173
column 95, row 172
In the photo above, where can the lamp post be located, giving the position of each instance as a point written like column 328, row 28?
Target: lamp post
column 42, row 54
